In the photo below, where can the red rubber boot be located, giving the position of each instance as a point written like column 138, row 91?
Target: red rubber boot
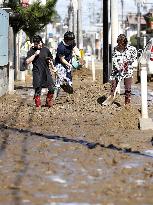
column 37, row 101
column 49, row 100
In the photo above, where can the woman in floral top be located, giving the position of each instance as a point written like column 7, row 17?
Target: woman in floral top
column 122, row 58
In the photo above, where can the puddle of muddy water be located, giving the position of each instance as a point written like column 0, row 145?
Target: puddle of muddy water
column 149, row 152
column 90, row 175
column 134, row 162
column 77, row 172
column 57, row 179
column 137, row 92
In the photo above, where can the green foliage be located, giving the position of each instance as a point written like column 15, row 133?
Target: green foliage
column 150, row 19
column 33, row 18
column 133, row 40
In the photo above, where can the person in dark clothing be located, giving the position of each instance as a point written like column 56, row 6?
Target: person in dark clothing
column 41, row 57
column 63, row 62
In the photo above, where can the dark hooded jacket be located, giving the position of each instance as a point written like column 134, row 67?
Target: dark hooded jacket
column 41, row 73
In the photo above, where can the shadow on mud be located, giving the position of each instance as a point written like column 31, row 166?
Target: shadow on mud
column 19, row 87
column 89, row 145
column 101, row 99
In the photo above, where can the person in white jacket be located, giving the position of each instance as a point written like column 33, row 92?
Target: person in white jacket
column 123, row 56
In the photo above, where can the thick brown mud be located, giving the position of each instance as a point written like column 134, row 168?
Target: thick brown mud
column 77, row 152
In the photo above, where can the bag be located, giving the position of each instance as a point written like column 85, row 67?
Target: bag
column 75, row 63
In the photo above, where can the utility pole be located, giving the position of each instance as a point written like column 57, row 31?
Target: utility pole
column 75, row 9
column 79, row 26
column 139, row 24
column 122, row 4
column 70, row 16
column 139, row 4
column 114, row 23
column 105, row 42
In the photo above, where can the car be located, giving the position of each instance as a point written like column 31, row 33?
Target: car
column 147, row 54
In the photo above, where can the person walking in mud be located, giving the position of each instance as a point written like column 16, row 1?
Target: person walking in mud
column 41, row 57
column 63, row 63
column 123, row 56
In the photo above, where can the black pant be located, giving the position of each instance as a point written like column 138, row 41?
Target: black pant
column 38, row 90
column 69, row 75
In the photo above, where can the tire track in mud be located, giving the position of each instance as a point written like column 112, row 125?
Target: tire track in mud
column 15, row 117
column 5, row 133
column 16, row 188
column 20, row 118
column 4, row 137
column 14, row 113
column 22, row 163
column 19, row 162
column 8, row 117
column 12, row 121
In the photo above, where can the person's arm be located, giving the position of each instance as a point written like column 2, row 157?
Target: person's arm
column 62, row 59
column 31, row 58
column 133, row 55
column 61, row 55
column 50, row 62
column 49, row 58
column 115, row 59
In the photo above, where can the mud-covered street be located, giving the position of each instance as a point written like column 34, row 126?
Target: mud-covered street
column 77, row 152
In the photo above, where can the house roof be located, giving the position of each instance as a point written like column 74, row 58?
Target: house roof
column 132, row 19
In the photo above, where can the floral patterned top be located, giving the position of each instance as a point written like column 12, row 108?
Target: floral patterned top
column 122, row 62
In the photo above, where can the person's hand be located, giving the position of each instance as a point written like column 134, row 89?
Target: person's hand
column 48, row 59
column 69, row 67
column 37, row 52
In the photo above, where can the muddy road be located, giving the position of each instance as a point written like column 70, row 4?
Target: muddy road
column 77, row 152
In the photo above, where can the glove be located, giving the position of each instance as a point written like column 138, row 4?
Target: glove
column 37, row 52
column 69, row 67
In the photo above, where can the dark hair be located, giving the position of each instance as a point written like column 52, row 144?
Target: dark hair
column 69, row 36
column 123, row 38
column 37, row 39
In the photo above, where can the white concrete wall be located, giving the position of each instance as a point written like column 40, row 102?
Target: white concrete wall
column 3, row 80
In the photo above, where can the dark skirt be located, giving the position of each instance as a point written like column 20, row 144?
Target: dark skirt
column 42, row 77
